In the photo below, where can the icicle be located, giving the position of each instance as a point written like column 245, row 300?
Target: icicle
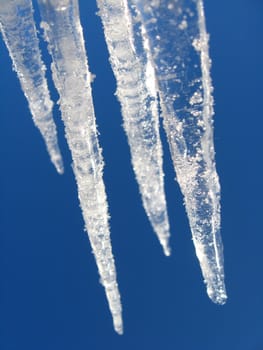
column 179, row 47
column 137, row 94
column 72, row 78
column 19, row 33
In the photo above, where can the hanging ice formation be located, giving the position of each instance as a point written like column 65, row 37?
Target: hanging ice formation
column 159, row 55
column 137, row 93
column 72, row 79
column 19, row 33
column 63, row 32
column 178, row 47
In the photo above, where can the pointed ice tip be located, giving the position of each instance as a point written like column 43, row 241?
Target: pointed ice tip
column 162, row 230
column 58, row 163
column 59, row 168
column 119, row 331
column 166, row 249
column 118, row 325
column 218, row 296
column 219, row 299
column 164, row 241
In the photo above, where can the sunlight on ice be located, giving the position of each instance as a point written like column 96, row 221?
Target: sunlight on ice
column 138, row 97
column 159, row 54
column 179, row 49
column 19, row 32
column 72, row 78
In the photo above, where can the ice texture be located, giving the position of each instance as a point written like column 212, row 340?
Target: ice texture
column 159, row 54
column 136, row 91
column 19, row 33
column 178, row 45
column 63, row 32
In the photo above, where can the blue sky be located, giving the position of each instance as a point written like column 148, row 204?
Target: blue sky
column 50, row 297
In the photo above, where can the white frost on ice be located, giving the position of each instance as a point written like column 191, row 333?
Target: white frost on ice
column 72, row 79
column 182, row 66
column 136, row 91
column 19, row 33
column 158, row 51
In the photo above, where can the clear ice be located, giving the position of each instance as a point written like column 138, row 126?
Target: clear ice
column 159, row 54
column 63, row 32
column 179, row 49
column 136, row 91
column 19, row 33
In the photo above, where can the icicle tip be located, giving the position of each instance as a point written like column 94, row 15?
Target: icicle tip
column 58, row 164
column 166, row 248
column 218, row 296
column 163, row 235
column 118, row 324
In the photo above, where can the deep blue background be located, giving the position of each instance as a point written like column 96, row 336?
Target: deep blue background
column 50, row 298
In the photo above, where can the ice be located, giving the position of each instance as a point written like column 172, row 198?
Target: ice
column 136, row 91
column 63, row 32
column 159, row 54
column 179, row 48
column 19, row 33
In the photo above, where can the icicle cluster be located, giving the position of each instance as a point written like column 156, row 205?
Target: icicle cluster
column 63, row 32
column 159, row 55
column 178, row 46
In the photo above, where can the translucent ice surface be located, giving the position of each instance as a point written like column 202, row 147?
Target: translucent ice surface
column 72, row 79
column 179, row 49
column 136, row 91
column 19, row 33
column 159, row 54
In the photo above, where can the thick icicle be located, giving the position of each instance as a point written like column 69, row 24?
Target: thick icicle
column 136, row 91
column 179, row 47
column 72, row 78
column 19, row 33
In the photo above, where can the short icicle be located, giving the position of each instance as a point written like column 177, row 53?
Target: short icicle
column 63, row 32
column 179, row 48
column 19, row 33
column 136, row 91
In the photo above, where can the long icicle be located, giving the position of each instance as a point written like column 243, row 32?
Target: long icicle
column 179, row 47
column 72, row 79
column 20, row 36
column 136, row 91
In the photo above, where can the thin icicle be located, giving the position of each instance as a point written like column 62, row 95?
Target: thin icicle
column 137, row 94
column 179, row 47
column 20, row 36
column 72, row 78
